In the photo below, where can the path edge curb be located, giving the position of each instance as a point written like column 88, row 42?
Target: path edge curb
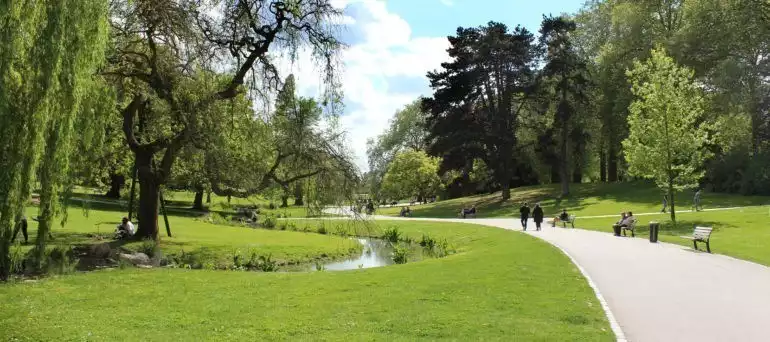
column 614, row 325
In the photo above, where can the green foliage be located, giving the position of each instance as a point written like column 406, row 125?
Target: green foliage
column 150, row 247
column 391, row 234
column 412, row 173
column 667, row 139
column 400, row 254
column 268, row 222
column 44, row 74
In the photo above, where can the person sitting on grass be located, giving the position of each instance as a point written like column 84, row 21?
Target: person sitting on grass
column 564, row 216
column 125, row 229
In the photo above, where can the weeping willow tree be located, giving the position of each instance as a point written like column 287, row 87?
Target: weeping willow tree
column 50, row 50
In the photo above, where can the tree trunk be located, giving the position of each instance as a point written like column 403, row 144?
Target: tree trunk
column 612, row 165
column 671, row 203
column 602, row 165
column 506, row 185
column 116, row 184
column 285, row 196
column 577, row 175
column 208, row 197
column 564, row 164
column 298, row 195
column 198, row 202
column 148, row 197
column 555, row 178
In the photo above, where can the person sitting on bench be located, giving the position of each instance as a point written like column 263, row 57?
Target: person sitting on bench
column 405, row 211
column 564, row 216
column 620, row 222
column 626, row 222
column 125, row 229
column 471, row 211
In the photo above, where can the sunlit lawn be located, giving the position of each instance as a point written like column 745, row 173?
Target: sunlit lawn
column 584, row 200
column 501, row 285
column 741, row 233
column 192, row 234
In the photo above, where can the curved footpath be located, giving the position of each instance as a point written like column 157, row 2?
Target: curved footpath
column 661, row 291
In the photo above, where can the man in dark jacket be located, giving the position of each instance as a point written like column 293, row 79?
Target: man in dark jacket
column 524, row 210
column 537, row 216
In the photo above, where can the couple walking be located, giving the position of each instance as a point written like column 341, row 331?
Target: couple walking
column 537, row 215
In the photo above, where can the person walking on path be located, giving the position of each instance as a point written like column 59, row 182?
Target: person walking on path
column 665, row 204
column 696, row 201
column 537, row 216
column 524, row 210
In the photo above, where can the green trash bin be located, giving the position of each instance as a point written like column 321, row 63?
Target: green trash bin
column 654, row 227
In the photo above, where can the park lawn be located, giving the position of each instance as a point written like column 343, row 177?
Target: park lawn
column 584, row 200
column 180, row 202
column 501, row 285
column 741, row 233
column 213, row 243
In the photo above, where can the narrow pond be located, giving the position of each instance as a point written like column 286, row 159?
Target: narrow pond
column 376, row 253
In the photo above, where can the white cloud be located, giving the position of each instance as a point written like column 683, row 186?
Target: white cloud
column 387, row 49
column 448, row 3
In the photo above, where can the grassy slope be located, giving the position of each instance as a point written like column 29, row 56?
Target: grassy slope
column 217, row 242
column 502, row 286
column 585, row 200
column 741, row 233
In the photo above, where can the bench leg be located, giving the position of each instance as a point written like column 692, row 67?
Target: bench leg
column 573, row 224
column 695, row 244
column 708, row 246
column 632, row 233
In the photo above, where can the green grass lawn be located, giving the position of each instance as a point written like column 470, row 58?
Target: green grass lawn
column 584, row 200
column 501, row 285
column 213, row 243
column 741, row 233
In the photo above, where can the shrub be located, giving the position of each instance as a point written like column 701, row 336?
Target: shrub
column 269, row 222
column 266, row 264
column 282, row 225
column 427, row 242
column 400, row 254
column 322, row 229
column 391, row 234
column 271, row 206
column 149, row 247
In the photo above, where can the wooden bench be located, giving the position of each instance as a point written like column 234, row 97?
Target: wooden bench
column 468, row 215
column 702, row 234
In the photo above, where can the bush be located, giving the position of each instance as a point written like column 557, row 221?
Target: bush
column 269, row 222
column 400, row 254
column 427, row 242
column 322, row 229
column 149, row 247
column 391, row 234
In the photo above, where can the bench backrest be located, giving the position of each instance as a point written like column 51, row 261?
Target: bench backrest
column 702, row 233
column 572, row 218
column 632, row 225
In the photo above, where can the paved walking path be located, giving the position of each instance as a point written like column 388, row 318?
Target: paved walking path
column 663, row 292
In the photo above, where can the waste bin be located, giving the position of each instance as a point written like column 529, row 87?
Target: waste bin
column 654, row 227
column 616, row 229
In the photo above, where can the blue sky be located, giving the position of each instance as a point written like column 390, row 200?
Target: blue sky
column 394, row 43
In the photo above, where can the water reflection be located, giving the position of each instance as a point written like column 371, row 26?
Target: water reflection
column 376, row 253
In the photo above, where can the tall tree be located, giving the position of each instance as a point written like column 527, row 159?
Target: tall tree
column 405, row 132
column 412, row 173
column 159, row 47
column 50, row 52
column 478, row 98
column 566, row 74
column 667, row 140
